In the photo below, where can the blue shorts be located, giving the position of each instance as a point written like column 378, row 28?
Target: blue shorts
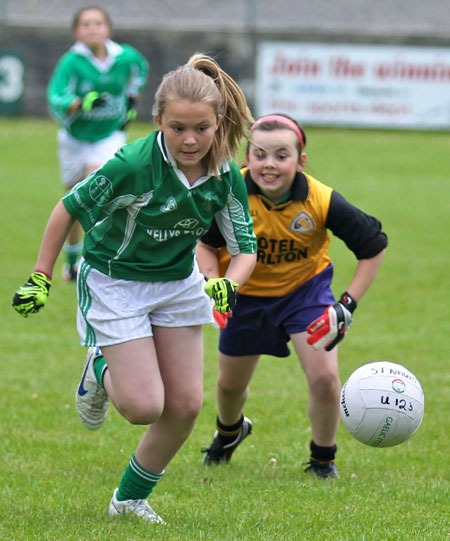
column 263, row 325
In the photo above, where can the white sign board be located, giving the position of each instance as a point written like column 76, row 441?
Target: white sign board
column 355, row 85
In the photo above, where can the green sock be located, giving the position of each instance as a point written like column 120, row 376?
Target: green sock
column 137, row 483
column 100, row 368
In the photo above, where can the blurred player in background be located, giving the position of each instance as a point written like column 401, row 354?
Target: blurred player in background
column 141, row 297
column 93, row 94
column 288, row 296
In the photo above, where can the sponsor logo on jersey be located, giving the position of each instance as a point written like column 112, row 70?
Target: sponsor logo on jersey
column 188, row 226
column 191, row 226
column 188, row 223
column 279, row 251
column 302, row 223
column 169, row 205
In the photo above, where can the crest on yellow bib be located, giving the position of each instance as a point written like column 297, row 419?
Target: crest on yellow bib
column 302, row 223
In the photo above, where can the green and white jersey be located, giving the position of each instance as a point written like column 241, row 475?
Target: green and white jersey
column 78, row 72
column 142, row 219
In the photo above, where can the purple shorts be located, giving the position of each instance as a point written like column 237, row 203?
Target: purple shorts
column 263, row 325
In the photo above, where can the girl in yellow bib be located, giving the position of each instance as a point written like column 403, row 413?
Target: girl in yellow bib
column 289, row 296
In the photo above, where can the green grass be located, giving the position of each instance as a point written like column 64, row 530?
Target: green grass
column 56, row 478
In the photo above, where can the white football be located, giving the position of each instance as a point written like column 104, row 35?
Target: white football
column 382, row 404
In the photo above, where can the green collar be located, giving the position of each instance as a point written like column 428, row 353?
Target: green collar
column 285, row 199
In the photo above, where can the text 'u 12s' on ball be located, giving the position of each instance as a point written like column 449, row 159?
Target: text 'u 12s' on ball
column 382, row 404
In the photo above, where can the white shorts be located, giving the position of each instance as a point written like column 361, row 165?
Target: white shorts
column 112, row 310
column 74, row 155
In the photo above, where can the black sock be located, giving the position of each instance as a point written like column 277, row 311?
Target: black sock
column 228, row 433
column 322, row 454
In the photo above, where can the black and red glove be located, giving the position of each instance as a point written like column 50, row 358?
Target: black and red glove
column 330, row 328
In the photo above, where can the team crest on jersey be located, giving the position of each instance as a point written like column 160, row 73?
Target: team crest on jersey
column 100, row 190
column 169, row 205
column 302, row 223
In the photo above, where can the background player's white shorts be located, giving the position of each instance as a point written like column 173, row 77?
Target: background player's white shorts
column 112, row 311
column 74, row 155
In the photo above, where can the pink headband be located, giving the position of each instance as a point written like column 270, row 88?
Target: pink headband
column 281, row 120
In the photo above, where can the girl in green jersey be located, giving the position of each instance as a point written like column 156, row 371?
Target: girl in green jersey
column 142, row 299
column 92, row 94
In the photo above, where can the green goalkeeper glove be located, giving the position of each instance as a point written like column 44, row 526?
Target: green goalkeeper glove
column 130, row 114
column 92, row 100
column 224, row 293
column 32, row 296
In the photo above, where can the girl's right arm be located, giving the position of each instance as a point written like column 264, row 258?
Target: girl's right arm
column 61, row 97
column 55, row 234
column 32, row 296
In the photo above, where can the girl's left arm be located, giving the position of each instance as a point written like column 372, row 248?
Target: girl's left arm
column 364, row 275
column 330, row 328
column 363, row 235
column 139, row 73
column 207, row 259
column 236, row 228
column 240, row 268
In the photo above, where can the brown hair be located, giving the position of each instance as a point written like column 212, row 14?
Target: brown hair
column 201, row 79
column 76, row 17
column 271, row 123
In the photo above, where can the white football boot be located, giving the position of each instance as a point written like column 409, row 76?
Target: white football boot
column 92, row 401
column 140, row 508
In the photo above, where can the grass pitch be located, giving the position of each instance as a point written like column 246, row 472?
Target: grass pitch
column 57, row 478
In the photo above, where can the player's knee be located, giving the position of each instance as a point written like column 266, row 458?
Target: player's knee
column 187, row 409
column 183, row 407
column 324, row 384
column 230, row 389
column 141, row 412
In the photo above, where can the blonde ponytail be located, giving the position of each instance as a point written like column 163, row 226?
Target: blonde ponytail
column 202, row 79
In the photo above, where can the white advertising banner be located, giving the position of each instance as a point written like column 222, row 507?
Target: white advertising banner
column 355, row 85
